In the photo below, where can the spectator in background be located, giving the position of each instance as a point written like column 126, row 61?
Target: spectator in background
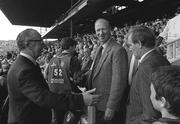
column 80, row 50
column 3, row 83
column 165, row 94
column 109, row 75
column 46, row 63
column 30, row 100
column 1, row 70
column 62, row 68
column 87, row 60
column 170, row 33
column 141, row 41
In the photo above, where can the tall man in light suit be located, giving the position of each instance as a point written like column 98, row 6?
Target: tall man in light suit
column 141, row 41
column 30, row 100
column 109, row 75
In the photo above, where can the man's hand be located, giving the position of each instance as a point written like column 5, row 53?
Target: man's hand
column 90, row 99
column 109, row 113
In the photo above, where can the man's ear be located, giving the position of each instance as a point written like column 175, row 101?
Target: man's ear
column 163, row 102
column 140, row 44
column 30, row 45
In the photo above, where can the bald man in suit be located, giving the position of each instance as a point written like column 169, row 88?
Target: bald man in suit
column 30, row 100
column 109, row 75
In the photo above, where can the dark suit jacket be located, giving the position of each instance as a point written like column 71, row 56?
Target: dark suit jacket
column 140, row 108
column 30, row 100
column 110, row 76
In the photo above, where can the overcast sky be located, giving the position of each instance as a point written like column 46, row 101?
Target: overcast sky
column 9, row 31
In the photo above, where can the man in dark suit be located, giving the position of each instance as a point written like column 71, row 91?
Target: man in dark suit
column 30, row 100
column 109, row 75
column 141, row 41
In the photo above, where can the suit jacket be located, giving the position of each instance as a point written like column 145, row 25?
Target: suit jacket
column 140, row 108
column 110, row 76
column 30, row 100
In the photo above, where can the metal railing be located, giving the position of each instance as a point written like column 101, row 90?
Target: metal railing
column 173, row 50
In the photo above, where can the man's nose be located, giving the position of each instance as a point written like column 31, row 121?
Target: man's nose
column 101, row 32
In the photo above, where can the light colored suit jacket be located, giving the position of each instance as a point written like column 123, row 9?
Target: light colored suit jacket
column 110, row 76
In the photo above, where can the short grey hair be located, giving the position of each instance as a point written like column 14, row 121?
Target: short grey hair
column 25, row 36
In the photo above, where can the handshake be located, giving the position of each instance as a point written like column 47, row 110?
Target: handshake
column 90, row 99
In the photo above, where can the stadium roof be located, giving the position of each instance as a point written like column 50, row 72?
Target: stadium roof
column 79, row 15
column 83, row 19
column 46, row 13
column 41, row 13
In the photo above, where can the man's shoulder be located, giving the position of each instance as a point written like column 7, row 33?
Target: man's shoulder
column 117, row 47
column 154, row 57
column 21, row 63
column 114, row 44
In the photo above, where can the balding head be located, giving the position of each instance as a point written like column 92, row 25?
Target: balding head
column 103, row 30
column 104, row 21
column 25, row 37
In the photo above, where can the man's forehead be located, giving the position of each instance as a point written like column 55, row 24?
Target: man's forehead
column 101, row 22
column 33, row 35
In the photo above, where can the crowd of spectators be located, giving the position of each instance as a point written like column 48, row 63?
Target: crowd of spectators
column 86, row 41
column 90, row 41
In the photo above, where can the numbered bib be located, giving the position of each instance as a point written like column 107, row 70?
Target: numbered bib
column 57, row 76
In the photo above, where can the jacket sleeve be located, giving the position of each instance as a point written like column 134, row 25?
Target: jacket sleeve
column 36, row 92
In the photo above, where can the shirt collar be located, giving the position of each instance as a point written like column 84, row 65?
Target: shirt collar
column 142, row 57
column 106, row 44
column 28, row 57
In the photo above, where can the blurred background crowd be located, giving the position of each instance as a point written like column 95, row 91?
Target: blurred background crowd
column 87, row 43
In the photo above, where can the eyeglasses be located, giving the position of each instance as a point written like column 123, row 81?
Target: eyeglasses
column 37, row 40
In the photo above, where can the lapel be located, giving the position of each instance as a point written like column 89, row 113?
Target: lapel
column 103, row 58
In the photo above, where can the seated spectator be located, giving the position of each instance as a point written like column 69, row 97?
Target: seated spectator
column 87, row 60
column 165, row 94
